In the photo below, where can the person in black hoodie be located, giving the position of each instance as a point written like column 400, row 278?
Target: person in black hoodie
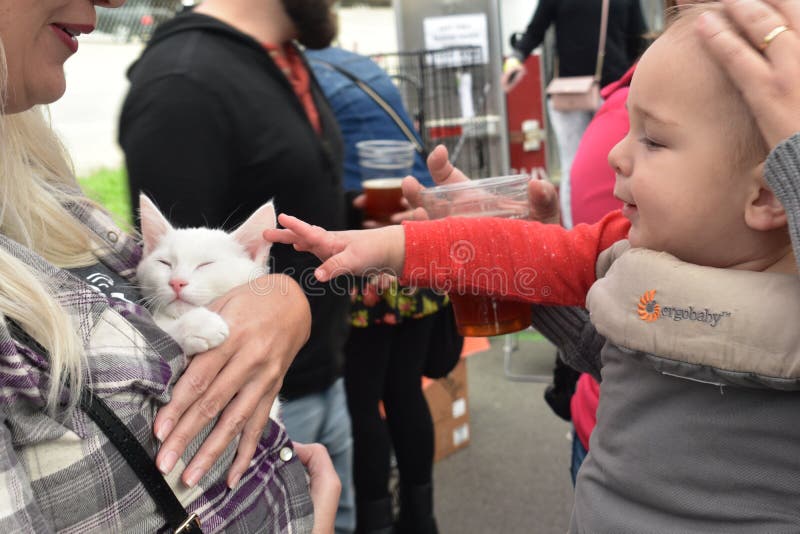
column 224, row 114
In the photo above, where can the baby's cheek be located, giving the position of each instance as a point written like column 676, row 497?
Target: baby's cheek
column 634, row 236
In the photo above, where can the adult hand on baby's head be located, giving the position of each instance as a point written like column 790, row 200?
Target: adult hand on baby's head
column 767, row 73
column 355, row 252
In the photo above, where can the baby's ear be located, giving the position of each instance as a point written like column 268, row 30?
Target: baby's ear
column 764, row 212
column 154, row 224
column 249, row 234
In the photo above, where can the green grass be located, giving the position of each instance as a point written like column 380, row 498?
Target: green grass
column 109, row 187
column 531, row 335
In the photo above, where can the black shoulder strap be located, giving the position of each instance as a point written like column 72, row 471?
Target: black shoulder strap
column 143, row 466
column 179, row 520
column 364, row 86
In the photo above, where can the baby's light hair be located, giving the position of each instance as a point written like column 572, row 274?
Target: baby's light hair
column 749, row 145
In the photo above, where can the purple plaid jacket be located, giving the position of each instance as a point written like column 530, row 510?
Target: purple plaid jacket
column 62, row 474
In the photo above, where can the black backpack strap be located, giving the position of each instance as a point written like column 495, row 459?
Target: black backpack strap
column 178, row 519
column 143, row 466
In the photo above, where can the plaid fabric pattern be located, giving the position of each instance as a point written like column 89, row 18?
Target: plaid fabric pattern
column 62, row 474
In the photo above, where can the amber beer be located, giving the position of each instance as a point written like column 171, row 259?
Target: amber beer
column 383, row 198
column 502, row 196
column 384, row 163
column 480, row 316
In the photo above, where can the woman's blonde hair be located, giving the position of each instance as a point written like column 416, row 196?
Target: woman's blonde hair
column 36, row 183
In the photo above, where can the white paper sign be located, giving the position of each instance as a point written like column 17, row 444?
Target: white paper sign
column 465, row 95
column 461, row 434
column 457, row 30
column 459, row 407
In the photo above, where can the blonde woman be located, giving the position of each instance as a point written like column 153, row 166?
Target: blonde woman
column 59, row 336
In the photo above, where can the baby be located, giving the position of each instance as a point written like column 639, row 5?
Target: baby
column 696, row 429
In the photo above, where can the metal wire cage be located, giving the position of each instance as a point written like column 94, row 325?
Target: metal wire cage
column 136, row 19
column 445, row 91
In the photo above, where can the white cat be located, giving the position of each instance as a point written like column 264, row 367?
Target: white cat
column 184, row 269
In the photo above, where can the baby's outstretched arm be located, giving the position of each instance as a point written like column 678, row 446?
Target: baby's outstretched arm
column 520, row 260
column 350, row 252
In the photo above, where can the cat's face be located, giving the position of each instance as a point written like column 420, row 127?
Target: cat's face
column 185, row 268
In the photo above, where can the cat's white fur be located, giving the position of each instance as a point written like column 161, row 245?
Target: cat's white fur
column 210, row 262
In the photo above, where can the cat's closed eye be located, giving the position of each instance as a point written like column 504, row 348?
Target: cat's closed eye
column 204, row 264
column 165, row 262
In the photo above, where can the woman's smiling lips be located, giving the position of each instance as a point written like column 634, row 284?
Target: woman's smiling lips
column 68, row 33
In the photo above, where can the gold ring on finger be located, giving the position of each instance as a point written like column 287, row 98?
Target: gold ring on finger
column 776, row 31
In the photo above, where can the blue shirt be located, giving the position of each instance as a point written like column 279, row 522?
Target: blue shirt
column 359, row 117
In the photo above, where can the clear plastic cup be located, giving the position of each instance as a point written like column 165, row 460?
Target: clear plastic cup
column 503, row 196
column 384, row 163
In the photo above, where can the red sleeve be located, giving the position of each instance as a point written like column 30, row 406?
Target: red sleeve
column 519, row 260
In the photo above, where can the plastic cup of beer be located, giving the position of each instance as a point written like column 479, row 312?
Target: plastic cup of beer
column 503, row 196
column 384, row 163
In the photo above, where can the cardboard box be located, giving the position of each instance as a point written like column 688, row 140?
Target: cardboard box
column 449, row 406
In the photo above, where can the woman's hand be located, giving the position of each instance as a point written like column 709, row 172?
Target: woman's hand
column 325, row 485
column 542, row 194
column 767, row 74
column 513, row 72
column 269, row 322
column 358, row 252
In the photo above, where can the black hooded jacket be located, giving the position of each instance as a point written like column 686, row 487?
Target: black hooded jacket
column 212, row 129
column 578, row 32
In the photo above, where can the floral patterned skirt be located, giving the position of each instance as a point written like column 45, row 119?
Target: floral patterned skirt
column 373, row 304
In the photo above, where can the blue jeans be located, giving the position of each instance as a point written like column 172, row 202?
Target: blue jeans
column 323, row 418
column 579, row 453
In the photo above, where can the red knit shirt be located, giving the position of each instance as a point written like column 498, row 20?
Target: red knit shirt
column 291, row 64
column 518, row 260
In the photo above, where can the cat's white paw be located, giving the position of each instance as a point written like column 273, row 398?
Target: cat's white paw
column 199, row 330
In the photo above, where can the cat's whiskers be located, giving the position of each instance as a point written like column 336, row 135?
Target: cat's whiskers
column 153, row 302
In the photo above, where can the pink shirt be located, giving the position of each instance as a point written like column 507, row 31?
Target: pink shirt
column 592, row 178
column 592, row 189
column 583, row 408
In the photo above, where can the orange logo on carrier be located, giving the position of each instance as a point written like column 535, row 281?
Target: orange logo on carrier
column 649, row 310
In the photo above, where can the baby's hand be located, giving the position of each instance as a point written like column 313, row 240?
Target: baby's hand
column 355, row 252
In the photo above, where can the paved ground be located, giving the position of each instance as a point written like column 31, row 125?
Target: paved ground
column 514, row 476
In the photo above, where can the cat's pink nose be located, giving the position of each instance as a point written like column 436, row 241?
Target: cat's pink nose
column 177, row 284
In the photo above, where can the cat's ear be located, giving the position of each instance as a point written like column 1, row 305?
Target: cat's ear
column 249, row 234
column 154, row 224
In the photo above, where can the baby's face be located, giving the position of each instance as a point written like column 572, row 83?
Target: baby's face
column 677, row 173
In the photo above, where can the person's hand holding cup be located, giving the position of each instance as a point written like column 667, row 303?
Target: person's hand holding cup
column 384, row 163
